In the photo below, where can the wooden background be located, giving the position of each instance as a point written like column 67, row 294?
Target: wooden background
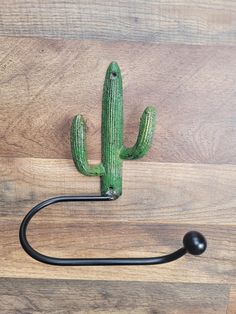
column 176, row 21
column 186, row 182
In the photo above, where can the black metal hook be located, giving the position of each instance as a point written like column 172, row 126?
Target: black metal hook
column 193, row 241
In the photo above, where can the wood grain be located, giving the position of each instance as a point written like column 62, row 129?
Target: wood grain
column 44, row 83
column 187, row 181
column 73, row 239
column 167, row 192
column 184, row 197
column 47, row 296
column 178, row 21
column 231, row 309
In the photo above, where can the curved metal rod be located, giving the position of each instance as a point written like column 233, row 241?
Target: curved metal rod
column 194, row 242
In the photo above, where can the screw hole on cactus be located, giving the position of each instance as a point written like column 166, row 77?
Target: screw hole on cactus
column 113, row 75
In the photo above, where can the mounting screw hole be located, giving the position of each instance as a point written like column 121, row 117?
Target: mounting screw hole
column 113, row 75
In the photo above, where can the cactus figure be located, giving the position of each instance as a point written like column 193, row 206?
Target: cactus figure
column 113, row 150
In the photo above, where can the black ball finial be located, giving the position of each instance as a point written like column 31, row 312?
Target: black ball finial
column 194, row 242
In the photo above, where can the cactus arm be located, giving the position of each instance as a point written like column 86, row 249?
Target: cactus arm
column 79, row 149
column 143, row 143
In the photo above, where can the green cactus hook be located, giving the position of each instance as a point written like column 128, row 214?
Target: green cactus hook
column 113, row 150
column 110, row 171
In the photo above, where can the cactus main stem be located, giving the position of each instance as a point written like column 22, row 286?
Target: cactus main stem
column 113, row 150
column 112, row 131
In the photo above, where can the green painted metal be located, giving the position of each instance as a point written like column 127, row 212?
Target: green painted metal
column 113, row 150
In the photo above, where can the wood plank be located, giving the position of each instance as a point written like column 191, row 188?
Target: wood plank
column 231, row 309
column 177, row 21
column 120, row 239
column 176, row 198
column 67, row 296
column 44, row 83
column 167, row 193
